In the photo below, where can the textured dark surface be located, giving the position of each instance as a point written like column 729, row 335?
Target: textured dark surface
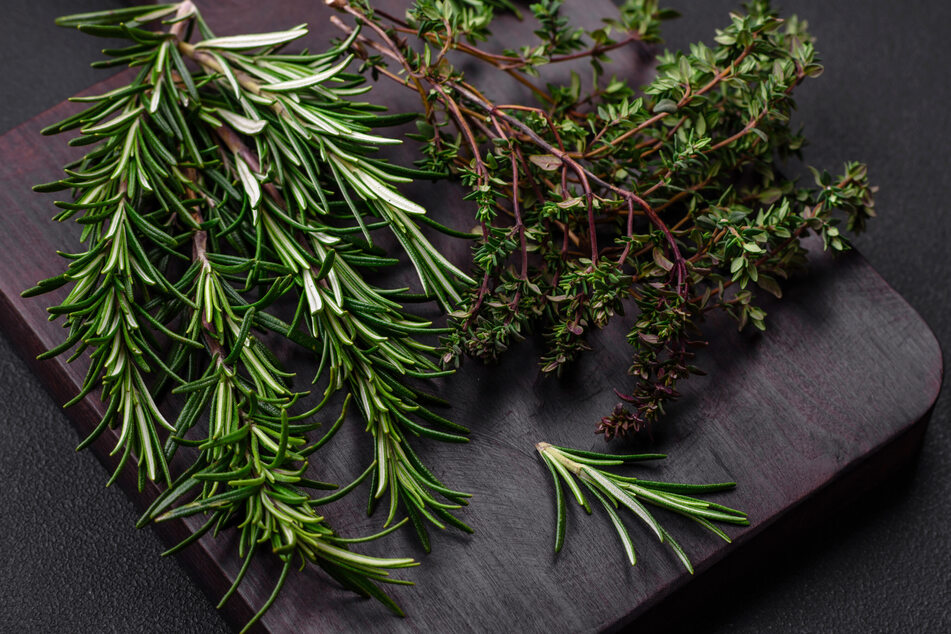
column 74, row 562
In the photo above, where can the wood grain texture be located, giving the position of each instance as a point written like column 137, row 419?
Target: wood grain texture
column 801, row 417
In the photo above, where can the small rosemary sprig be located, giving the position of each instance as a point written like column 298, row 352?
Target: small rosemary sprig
column 571, row 466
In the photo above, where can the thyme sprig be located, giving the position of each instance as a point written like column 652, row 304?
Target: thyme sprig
column 229, row 182
column 672, row 196
column 569, row 467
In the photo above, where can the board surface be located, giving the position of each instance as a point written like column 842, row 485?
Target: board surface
column 840, row 382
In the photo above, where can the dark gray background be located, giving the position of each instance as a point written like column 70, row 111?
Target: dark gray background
column 72, row 561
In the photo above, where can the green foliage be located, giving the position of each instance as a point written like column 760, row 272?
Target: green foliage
column 569, row 467
column 225, row 184
column 232, row 196
column 671, row 199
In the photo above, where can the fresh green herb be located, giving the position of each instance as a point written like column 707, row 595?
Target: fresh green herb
column 231, row 198
column 671, row 198
column 226, row 184
column 570, row 467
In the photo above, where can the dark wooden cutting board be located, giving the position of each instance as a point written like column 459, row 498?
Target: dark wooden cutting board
column 822, row 407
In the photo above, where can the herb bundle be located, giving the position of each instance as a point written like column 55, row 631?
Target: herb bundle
column 231, row 198
column 226, row 180
column 671, row 197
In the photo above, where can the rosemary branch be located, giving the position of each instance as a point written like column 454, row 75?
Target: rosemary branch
column 215, row 195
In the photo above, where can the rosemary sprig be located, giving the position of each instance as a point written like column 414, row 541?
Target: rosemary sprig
column 217, row 193
column 571, row 466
